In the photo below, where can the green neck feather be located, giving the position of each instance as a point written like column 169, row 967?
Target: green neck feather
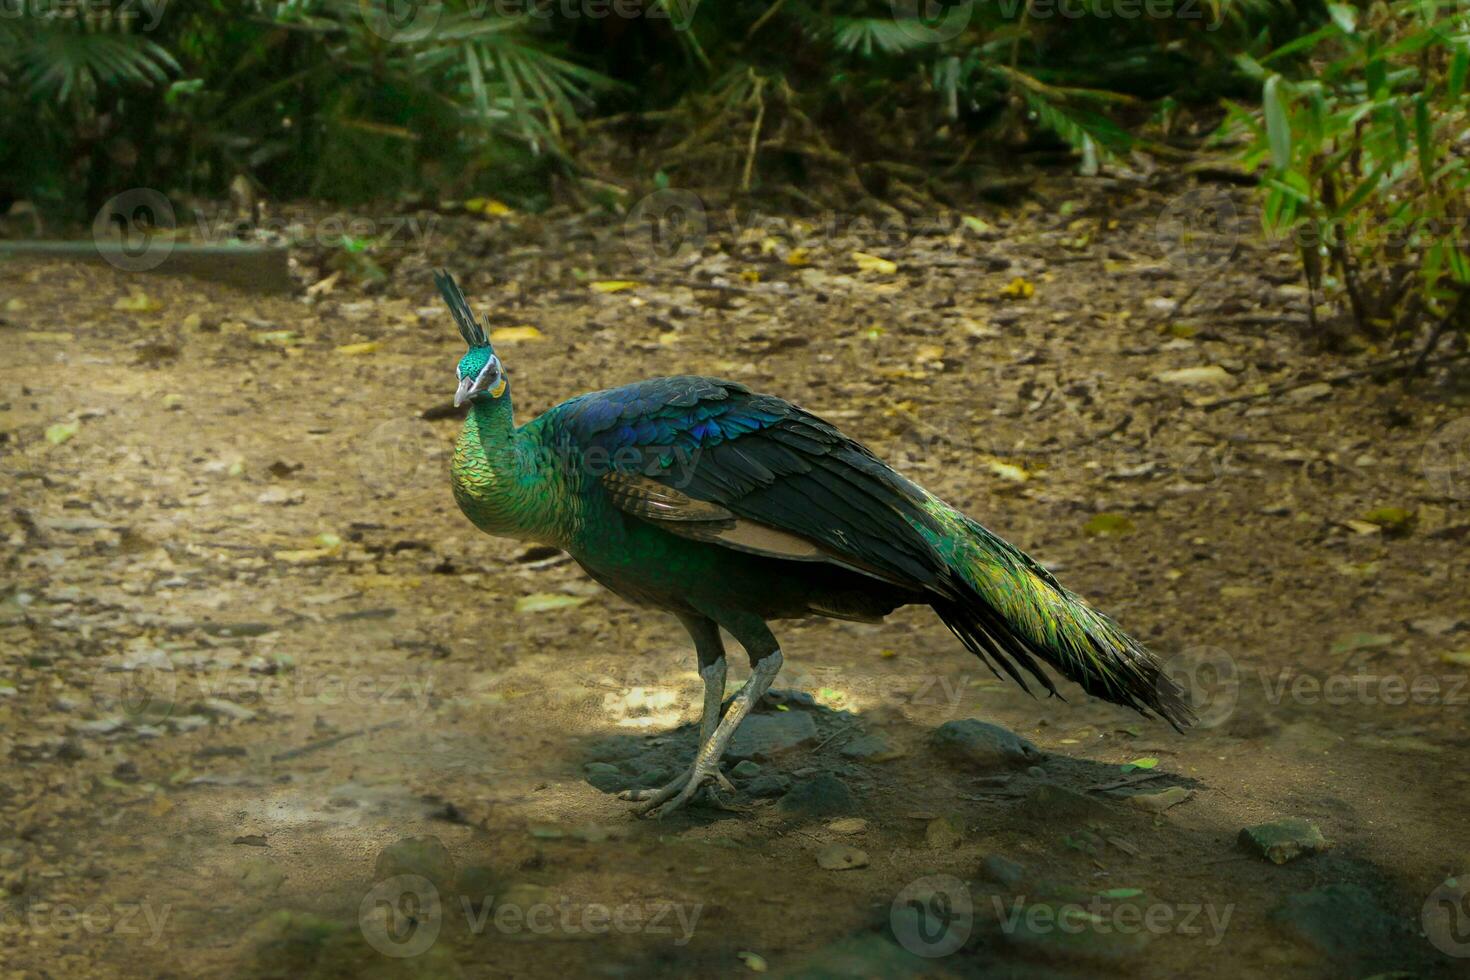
column 500, row 481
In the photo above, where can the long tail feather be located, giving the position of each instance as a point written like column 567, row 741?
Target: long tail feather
column 1011, row 612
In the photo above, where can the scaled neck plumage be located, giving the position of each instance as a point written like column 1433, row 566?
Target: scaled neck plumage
column 498, row 481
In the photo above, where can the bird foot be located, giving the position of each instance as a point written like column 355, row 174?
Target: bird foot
column 665, row 800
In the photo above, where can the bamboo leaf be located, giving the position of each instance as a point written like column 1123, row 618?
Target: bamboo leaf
column 1278, row 126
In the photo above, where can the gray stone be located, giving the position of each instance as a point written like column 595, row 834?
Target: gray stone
column 859, row 958
column 600, row 768
column 981, row 745
column 745, row 769
column 1002, row 870
column 426, row 857
column 1283, row 840
column 822, row 796
column 1064, row 931
column 871, row 748
column 767, row 736
column 841, row 857
column 944, row 833
column 768, row 785
column 1343, row 922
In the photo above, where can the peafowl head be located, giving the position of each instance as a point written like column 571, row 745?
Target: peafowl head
column 480, row 372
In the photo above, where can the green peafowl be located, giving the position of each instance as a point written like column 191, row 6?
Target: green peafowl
column 730, row 508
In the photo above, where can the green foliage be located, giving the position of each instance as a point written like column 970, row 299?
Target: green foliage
column 306, row 96
column 1361, row 135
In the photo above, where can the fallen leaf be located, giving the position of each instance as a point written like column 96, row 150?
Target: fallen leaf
column 488, row 206
column 1018, row 288
column 613, row 285
column 61, row 432
column 137, row 302
column 366, row 347
column 798, row 257
column 545, row 601
column 1160, row 801
column 1108, row 524
column 1361, row 641
column 874, row 263
column 513, row 334
column 754, row 962
column 1008, row 471
column 1210, row 374
column 1395, row 521
column 1147, row 762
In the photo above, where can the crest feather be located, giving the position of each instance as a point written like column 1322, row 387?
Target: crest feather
column 464, row 318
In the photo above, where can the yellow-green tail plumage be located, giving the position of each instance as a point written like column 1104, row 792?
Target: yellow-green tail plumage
column 1023, row 614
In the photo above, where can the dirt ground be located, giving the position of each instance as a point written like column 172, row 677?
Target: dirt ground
column 270, row 706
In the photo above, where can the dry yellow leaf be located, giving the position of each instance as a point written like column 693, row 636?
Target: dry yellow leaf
column 513, row 334
column 874, row 263
column 366, row 347
column 929, row 352
column 613, row 285
column 1019, row 288
column 798, row 257
column 488, row 206
column 137, row 302
column 748, row 274
column 1008, row 471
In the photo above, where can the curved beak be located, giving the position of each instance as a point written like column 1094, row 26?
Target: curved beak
column 464, row 391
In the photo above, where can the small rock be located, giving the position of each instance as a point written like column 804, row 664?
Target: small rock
column 601, row 768
column 841, row 857
column 1002, row 870
column 765, row 736
column 1065, row 931
column 871, row 748
column 1309, row 393
column 767, row 786
column 745, row 769
column 101, row 726
column 944, row 833
column 426, row 857
column 281, row 497
column 1283, row 840
column 823, row 796
column 848, row 825
column 71, row 750
column 983, row 745
column 476, row 883
column 1344, row 923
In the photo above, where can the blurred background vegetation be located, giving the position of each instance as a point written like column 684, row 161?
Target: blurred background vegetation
column 1349, row 118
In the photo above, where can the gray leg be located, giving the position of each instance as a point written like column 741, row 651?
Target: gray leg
column 765, row 662
column 711, row 651
column 707, row 763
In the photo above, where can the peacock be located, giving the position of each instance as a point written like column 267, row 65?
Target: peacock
column 729, row 508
